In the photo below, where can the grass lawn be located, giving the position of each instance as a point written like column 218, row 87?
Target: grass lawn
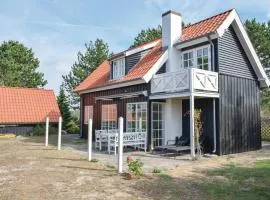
column 239, row 182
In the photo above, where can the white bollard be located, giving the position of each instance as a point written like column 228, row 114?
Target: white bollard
column 120, row 145
column 89, row 139
column 47, row 132
column 59, row 133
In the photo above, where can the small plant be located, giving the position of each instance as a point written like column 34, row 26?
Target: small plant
column 110, row 166
column 94, row 160
column 157, row 170
column 135, row 167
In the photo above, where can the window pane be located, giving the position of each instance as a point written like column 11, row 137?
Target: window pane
column 137, row 111
column 199, row 53
column 185, row 63
column 190, row 63
column 190, row 55
column 205, row 51
column 199, row 60
column 185, row 56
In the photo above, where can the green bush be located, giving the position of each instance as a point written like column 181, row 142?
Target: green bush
column 40, row 130
column 157, row 170
column 72, row 127
column 135, row 167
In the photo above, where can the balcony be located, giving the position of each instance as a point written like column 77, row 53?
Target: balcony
column 185, row 80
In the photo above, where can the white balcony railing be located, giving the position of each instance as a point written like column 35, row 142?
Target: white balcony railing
column 180, row 81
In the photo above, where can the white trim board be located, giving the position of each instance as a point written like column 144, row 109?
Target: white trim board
column 141, row 48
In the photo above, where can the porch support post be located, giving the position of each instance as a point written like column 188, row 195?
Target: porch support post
column 120, row 145
column 89, row 139
column 191, row 117
column 59, row 133
column 214, row 126
column 192, row 142
column 47, row 132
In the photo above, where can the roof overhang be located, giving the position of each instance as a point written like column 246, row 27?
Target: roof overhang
column 121, row 96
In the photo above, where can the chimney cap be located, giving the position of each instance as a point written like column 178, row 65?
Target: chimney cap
column 171, row 12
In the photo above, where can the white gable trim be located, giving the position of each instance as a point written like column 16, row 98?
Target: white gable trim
column 141, row 48
column 148, row 76
column 241, row 33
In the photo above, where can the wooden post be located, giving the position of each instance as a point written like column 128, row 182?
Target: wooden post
column 120, row 145
column 192, row 142
column 59, row 133
column 47, row 132
column 214, row 125
column 89, row 139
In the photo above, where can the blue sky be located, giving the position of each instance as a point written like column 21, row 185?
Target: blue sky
column 57, row 29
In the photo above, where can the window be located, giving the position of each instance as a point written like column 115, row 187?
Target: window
column 188, row 59
column 136, row 117
column 118, row 68
column 202, row 58
column 199, row 58
column 88, row 113
column 109, row 117
column 158, row 124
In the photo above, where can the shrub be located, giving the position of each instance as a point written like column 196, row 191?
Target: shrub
column 72, row 127
column 94, row 160
column 157, row 170
column 40, row 130
column 135, row 167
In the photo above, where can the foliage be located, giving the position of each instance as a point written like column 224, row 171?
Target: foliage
column 18, row 66
column 72, row 127
column 147, row 35
column 135, row 167
column 96, row 52
column 265, row 122
column 259, row 34
column 63, row 104
column 94, row 160
column 157, row 170
column 39, row 130
column 239, row 182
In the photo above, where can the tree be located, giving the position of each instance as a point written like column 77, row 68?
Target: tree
column 259, row 34
column 147, row 35
column 63, row 104
column 150, row 34
column 96, row 52
column 18, row 66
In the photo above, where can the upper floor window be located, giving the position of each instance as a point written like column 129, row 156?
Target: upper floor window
column 199, row 58
column 118, row 68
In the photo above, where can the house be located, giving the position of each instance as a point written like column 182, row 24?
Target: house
column 209, row 65
column 21, row 109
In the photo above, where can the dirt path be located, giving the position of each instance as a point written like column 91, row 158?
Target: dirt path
column 28, row 170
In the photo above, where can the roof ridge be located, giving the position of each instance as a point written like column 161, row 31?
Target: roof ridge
column 26, row 88
column 208, row 18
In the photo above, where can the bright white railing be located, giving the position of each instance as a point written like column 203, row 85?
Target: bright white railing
column 180, row 81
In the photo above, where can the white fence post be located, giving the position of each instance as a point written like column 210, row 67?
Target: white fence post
column 47, row 132
column 120, row 145
column 89, row 139
column 59, row 133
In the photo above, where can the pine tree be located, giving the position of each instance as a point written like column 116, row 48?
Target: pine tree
column 63, row 103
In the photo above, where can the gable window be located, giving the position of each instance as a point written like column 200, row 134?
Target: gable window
column 198, row 58
column 136, row 117
column 88, row 113
column 118, row 68
column 109, row 117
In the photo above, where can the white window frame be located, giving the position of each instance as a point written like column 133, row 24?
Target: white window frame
column 194, row 50
column 88, row 113
column 187, row 52
column 110, row 125
column 137, row 120
column 158, row 120
column 118, row 68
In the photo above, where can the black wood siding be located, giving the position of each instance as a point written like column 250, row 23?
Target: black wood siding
column 89, row 99
column 134, row 59
column 206, row 105
column 232, row 58
column 239, row 107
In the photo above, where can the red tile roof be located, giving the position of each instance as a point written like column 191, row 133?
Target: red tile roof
column 100, row 77
column 27, row 105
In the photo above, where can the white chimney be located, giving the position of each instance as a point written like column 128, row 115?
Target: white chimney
column 171, row 32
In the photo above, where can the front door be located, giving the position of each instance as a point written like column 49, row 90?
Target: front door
column 158, row 124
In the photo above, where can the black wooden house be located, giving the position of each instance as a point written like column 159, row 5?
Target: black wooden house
column 210, row 65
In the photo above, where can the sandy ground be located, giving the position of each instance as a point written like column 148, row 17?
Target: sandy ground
column 28, row 170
